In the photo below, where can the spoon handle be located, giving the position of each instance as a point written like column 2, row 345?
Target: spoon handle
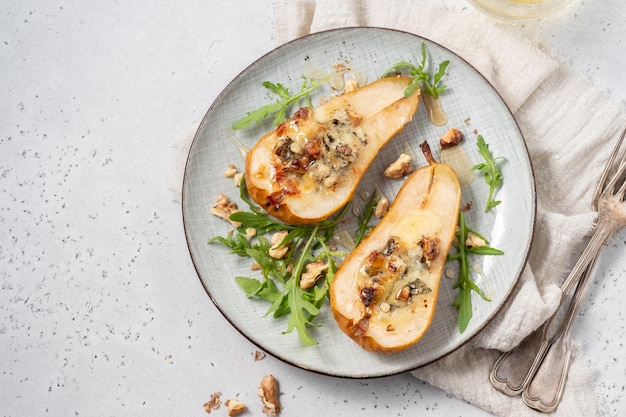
column 511, row 372
column 514, row 370
column 545, row 389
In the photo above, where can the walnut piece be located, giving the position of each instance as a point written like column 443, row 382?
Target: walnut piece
column 224, row 208
column 474, row 241
column 231, row 171
column 214, row 403
column 268, row 392
column 351, row 85
column 237, row 179
column 276, row 251
column 452, row 137
column 400, row 167
column 381, row 207
column 314, row 271
column 430, row 246
column 404, row 294
column 235, row 407
column 258, row 355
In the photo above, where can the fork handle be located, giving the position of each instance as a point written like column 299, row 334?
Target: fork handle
column 605, row 227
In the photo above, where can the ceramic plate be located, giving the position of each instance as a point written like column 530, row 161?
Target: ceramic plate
column 472, row 105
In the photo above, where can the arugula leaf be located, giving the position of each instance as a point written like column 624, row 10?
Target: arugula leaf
column 281, row 106
column 363, row 221
column 421, row 78
column 280, row 283
column 302, row 311
column 491, row 172
column 237, row 243
column 465, row 284
column 267, row 289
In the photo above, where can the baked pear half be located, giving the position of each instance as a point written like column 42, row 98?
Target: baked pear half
column 310, row 165
column 384, row 293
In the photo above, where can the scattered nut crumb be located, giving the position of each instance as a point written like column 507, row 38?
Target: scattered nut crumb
column 276, row 251
column 250, row 232
column 467, row 121
column 237, row 179
column 268, row 392
column 214, row 403
column 340, row 67
column 381, row 207
column 467, row 206
column 474, row 241
column 224, row 208
column 231, row 171
column 235, row 407
column 314, row 271
column 351, row 85
column 400, row 167
column 258, row 355
column 452, row 137
column 255, row 266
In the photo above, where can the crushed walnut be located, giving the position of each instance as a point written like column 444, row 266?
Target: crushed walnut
column 258, row 355
column 351, row 85
column 237, row 179
column 382, row 206
column 404, row 294
column 224, row 208
column 235, row 407
column 276, row 251
column 314, row 271
column 474, row 241
column 399, row 167
column 268, row 392
column 452, row 137
column 214, row 403
column 231, row 171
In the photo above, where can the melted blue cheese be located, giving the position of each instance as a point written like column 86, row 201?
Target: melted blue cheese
column 319, row 154
column 391, row 277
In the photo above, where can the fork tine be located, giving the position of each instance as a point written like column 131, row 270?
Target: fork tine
column 619, row 176
column 616, row 178
column 602, row 184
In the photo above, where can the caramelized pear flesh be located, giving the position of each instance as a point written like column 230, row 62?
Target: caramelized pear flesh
column 309, row 166
column 384, row 294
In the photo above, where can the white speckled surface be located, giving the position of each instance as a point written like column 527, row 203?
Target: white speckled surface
column 101, row 312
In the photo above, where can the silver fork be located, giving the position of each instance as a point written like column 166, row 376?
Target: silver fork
column 537, row 368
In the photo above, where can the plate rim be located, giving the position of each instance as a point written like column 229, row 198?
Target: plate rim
column 533, row 211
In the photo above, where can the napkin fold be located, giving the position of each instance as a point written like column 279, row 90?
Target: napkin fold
column 569, row 126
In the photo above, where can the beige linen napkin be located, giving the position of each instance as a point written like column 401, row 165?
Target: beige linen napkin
column 569, row 126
